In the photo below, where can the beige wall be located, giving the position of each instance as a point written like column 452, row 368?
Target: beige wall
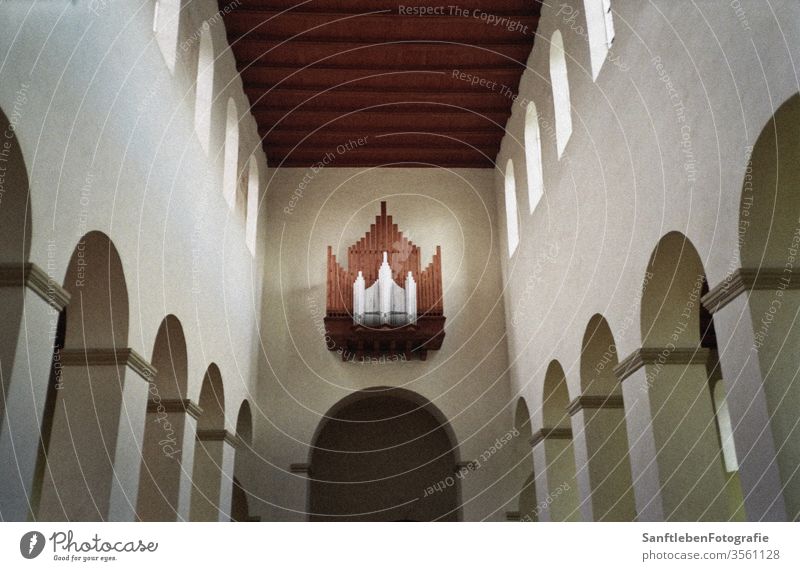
column 301, row 379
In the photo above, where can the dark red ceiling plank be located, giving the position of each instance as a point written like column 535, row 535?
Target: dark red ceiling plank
column 368, row 121
column 330, row 141
column 246, row 25
column 520, row 7
column 320, row 78
column 386, row 155
column 349, row 99
column 403, row 55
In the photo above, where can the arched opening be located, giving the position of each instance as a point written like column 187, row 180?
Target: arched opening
column 230, row 182
column 533, row 156
column 605, row 431
column 681, row 377
column 769, row 235
column 160, row 476
column 527, row 494
column 15, row 221
column 204, row 87
column 251, row 211
column 560, row 85
column 240, row 510
column 559, row 453
column 210, row 448
column 512, row 216
column 600, row 29
column 384, row 455
column 166, row 24
column 79, row 470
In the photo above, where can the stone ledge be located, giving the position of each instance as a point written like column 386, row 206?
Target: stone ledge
column 300, row 468
column 175, row 405
column 37, row 280
column 660, row 355
column 551, row 434
column 219, row 435
column 594, row 401
column 747, row 279
column 104, row 357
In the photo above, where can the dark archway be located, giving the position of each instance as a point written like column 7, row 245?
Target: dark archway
column 384, row 455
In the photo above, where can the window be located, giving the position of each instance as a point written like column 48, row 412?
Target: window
column 166, row 23
column 251, row 212
column 533, row 156
column 512, row 224
column 600, row 28
column 204, row 87
column 560, row 83
column 230, row 176
column 724, row 427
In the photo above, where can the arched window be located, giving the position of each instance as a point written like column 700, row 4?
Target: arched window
column 600, row 27
column 533, row 156
column 512, row 225
column 560, row 83
column 230, row 175
column 251, row 215
column 166, row 22
column 204, row 87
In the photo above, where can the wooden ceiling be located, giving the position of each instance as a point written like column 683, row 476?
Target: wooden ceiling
column 322, row 73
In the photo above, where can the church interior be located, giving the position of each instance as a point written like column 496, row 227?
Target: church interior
column 291, row 261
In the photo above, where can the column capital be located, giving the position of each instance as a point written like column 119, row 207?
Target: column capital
column 175, row 405
column 219, row 435
column 744, row 280
column 668, row 355
column 594, row 401
column 108, row 357
column 33, row 277
column 550, row 434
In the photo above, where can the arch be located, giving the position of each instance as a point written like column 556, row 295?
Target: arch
column 387, row 448
column 604, row 430
column 79, row 469
column 769, row 239
column 600, row 30
column 166, row 25
column 560, row 84
column 522, row 420
column 98, row 309
column 512, row 216
column 242, row 463
column 251, row 209
column 15, row 247
column 204, row 87
column 533, row 156
column 211, row 450
column 230, row 181
column 524, row 461
column 680, row 379
column 559, row 451
column 160, row 475
column 244, row 424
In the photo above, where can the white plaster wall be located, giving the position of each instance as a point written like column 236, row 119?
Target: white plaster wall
column 108, row 139
column 622, row 182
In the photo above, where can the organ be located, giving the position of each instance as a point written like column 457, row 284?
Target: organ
column 384, row 303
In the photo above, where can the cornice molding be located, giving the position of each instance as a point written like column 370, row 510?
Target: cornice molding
column 109, row 357
column 660, row 356
column 175, row 405
column 550, row 434
column 33, row 277
column 747, row 279
column 300, row 468
column 594, row 401
column 219, row 435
